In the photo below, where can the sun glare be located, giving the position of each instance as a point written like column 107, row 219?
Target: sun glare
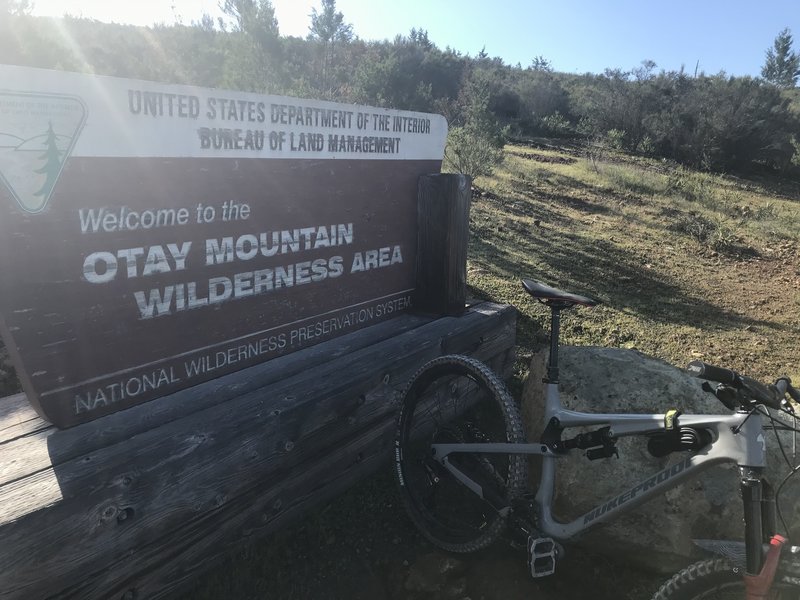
column 293, row 15
column 142, row 12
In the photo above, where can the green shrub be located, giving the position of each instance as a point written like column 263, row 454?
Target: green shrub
column 690, row 186
column 615, row 138
column 471, row 152
column 714, row 233
column 556, row 125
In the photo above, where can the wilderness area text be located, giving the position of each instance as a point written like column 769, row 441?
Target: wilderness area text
column 103, row 267
column 237, row 355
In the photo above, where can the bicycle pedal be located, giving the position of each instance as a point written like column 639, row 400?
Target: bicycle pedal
column 542, row 556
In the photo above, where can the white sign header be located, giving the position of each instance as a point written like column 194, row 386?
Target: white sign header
column 98, row 116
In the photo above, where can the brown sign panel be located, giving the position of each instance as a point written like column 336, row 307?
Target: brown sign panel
column 155, row 236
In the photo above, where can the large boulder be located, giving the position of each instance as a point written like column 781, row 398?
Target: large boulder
column 658, row 534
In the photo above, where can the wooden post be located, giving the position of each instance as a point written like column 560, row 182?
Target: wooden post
column 443, row 235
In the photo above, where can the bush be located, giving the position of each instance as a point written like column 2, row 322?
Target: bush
column 475, row 144
column 615, row 138
column 690, row 186
column 471, row 152
column 556, row 125
column 716, row 233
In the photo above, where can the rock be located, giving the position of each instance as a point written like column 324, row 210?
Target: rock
column 658, row 534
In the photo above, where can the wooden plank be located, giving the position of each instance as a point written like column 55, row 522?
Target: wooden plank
column 159, row 569
column 487, row 332
column 16, row 432
column 163, row 478
column 442, row 239
column 14, row 409
column 17, row 418
column 205, row 541
column 402, row 351
column 52, row 447
column 156, row 525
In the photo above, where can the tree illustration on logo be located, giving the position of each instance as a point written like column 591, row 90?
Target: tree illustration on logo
column 52, row 165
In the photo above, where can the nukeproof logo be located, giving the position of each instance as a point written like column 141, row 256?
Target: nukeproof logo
column 37, row 135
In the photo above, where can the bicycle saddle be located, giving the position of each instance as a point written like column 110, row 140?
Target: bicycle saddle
column 548, row 295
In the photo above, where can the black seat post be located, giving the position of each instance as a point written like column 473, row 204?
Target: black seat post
column 555, row 329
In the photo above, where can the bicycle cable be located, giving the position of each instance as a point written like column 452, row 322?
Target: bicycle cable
column 753, row 411
column 793, row 468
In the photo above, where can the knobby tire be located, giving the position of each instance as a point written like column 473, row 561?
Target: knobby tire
column 718, row 579
column 457, row 399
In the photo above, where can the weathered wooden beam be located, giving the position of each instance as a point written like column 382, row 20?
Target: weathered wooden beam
column 51, row 447
column 17, row 418
column 124, row 504
column 263, row 510
column 202, row 542
column 442, row 239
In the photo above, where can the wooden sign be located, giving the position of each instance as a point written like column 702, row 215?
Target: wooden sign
column 156, row 236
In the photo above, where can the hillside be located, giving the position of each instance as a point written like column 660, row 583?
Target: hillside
column 689, row 265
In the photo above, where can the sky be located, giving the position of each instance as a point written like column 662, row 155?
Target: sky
column 576, row 36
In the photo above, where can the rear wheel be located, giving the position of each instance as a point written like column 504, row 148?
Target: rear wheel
column 457, row 399
column 719, row 579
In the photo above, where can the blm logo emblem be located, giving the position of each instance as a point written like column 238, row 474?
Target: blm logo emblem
column 37, row 135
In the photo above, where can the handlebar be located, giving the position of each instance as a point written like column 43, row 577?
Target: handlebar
column 794, row 394
column 706, row 371
column 749, row 390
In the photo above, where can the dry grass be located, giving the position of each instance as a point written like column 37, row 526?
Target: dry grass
column 689, row 265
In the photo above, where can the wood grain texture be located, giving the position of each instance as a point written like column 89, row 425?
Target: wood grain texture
column 145, row 506
column 17, row 418
column 442, row 239
column 27, row 455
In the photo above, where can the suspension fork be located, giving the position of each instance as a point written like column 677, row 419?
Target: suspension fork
column 758, row 499
column 769, row 518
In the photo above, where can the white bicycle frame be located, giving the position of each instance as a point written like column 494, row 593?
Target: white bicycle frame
column 737, row 438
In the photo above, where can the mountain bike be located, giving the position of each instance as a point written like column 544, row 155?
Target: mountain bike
column 461, row 465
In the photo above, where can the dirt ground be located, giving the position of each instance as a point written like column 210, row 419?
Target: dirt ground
column 363, row 547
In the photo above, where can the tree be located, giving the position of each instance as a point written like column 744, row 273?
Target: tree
column 541, row 97
column 255, row 53
column 329, row 25
column 475, row 147
column 420, row 38
column 329, row 29
column 540, row 63
column 16, row 7
column 52, row 166
column 410, row 73
column 782, row 66
column 206, row 23
column 255, row 18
